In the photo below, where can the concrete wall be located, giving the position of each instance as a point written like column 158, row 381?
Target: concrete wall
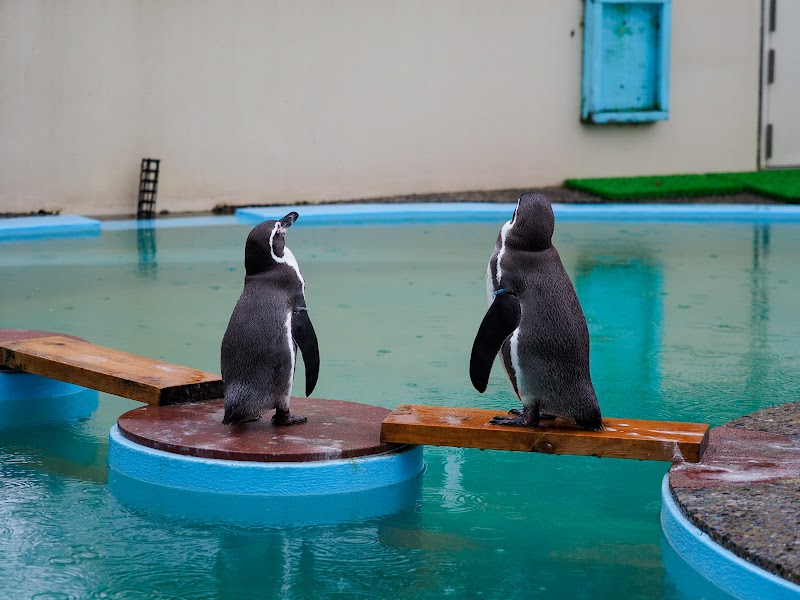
column 278, row 101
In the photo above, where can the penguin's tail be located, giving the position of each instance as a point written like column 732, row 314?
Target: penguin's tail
column 593, row 422
column 234, row 414
column 237, row 407
column 230, row 416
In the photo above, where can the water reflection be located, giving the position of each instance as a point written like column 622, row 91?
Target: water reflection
column 147, row 250
column 758, row 354
column 74, row 405
column 63, row 449
column 621, row 295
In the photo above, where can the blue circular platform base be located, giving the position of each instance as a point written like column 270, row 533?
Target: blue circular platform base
column 27, row 399
column 721, row 567
column 263, row 493
column 266, row 511
column 254, row 478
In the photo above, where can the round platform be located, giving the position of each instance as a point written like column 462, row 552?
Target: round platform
column 28, row 399
column 335, row 429
column 733, row 515
column 267, row 511
column 186, row 446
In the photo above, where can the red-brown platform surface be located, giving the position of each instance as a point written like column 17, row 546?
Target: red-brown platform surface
column 335, row 429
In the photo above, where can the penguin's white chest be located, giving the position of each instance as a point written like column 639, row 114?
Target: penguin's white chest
column 290, row 342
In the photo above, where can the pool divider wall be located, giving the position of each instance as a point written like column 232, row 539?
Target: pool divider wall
column 37, row 227
column 723, row 568
column 454, row 212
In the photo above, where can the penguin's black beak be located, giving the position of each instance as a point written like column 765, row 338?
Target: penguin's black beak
column 287, row 221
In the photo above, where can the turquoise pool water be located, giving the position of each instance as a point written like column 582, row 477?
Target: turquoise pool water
column 689, row 321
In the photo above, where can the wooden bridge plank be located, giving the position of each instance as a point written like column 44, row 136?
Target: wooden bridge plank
column 108, row 370
column 470, row 428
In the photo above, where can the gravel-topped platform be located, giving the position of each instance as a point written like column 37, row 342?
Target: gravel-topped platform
column 745, row 492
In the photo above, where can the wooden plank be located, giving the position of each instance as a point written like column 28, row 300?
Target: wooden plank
column 470, row 428
column 108, row 370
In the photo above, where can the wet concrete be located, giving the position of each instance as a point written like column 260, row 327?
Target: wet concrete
column 745, row 492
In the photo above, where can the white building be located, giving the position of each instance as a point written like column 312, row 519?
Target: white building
column 280, row 101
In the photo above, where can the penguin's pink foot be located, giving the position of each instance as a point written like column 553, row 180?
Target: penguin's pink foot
column 282, row 417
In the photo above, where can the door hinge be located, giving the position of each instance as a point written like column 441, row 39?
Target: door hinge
column 768, row 142
column 771, row 66
column 772, row 15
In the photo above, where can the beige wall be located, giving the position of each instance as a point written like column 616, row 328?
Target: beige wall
column 274, row 101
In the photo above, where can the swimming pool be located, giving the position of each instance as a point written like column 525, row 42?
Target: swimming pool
column 689, row 321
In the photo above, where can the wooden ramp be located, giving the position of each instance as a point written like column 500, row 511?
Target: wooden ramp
column 107, row 370
column 470, row 428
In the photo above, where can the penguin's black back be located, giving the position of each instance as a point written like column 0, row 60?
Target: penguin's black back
column 552, row 337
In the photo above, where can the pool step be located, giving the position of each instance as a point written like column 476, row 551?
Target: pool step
column 108, row 370
column 469, row 428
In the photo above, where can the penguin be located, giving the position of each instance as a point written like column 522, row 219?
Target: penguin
column 269, row 322
column 536, row 322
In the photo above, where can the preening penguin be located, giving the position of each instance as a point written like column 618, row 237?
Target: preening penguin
column 268, row 324
column 536, row 322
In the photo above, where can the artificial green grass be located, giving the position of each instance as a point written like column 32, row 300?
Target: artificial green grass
column 780, row 184
column 634, row 188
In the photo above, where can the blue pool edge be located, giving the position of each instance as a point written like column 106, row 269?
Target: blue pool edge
column 431, row 212
column 718, row 565
column 39, row 227
column 220, row 476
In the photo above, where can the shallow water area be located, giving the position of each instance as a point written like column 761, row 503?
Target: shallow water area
column 689, row 321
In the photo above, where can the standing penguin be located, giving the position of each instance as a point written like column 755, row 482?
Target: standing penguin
column 536, row 322
column 269, row 322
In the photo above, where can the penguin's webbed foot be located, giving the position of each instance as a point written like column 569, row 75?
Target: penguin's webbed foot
column 542, row 416
column 282, row 417
column 500, row 420
column 527, row 417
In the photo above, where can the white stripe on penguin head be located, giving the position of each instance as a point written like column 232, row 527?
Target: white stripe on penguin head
column 503, row 234
column 287, row 258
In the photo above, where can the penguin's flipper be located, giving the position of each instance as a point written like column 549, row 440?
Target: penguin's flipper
column 500, row 321
column 305, row 337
